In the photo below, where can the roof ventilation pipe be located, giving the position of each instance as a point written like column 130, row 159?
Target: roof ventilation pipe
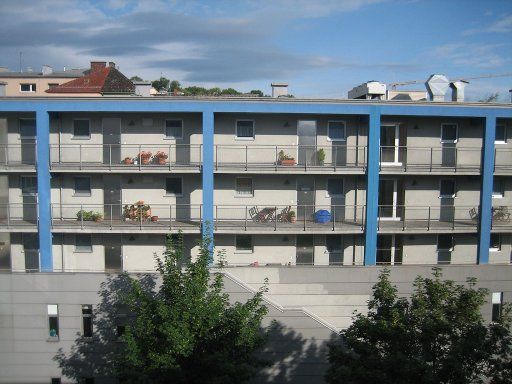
column 458, row 90
column 437, row 85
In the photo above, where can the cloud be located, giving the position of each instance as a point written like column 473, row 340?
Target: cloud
column 470, row 55
column 502, row 25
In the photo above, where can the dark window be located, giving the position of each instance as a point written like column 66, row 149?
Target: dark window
column 495, row 244
column 243, row 243
column 52, row 85
column 87, row 380
column 501, row 135
column 83, row 243
column 174, row 129
column 245, row 129
column 27, row 128
column 121, row 319
column 28, row 87
column 497, row 187
column 336, row 130
column 56, row 380
column 53, row 320
column 448, row 133
column 497, row 304
column 81, row 129
column 444, row 242
column 82, row 185
column 28, row 185
column 87, row 320
column 244, row 186
column 335, row 187
column 5, row 252
column 333, row 244
column 447, row 188
column 173, row 186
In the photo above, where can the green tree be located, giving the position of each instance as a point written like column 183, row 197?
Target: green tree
column 438, row 336
column 256, row 92
column 162, row 84
column 174, row 86
column 136, row 78
column 230, row 91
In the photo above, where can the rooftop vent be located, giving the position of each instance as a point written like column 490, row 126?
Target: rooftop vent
column 458, row 90
column 47, row 70
column 371, row 90
column 279, row 89
column 437, row 85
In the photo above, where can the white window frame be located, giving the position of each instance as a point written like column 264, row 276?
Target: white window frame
column 445, row 249
column 441, row 196
column 456, row 134
column 32, row 86
column 246, row 251
column 327, row 187
column 75, row 193
column 253, row 130
column 74, row 137
column 237, row 193
column 329, row 130
column 495, row 249
column 501, row 193
column 76, row 250
column 173, row 137
column 173, row 194
column 504, row 133
column 52, row 314
column 396, row 151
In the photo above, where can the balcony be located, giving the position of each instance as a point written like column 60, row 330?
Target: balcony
column 126, row 157
column 18, row 156
column 18, row 217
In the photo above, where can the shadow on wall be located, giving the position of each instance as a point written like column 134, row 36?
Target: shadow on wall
column 291, row 357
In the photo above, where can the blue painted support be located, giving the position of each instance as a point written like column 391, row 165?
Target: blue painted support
column 44, row 189
column 207, row 213
column 486, row 189
column 372, row 187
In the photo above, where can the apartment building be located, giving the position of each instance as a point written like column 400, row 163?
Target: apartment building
column 305, row 191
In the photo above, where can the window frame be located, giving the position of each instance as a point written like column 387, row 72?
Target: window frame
column 181, row 186
column 75, row 193
column 454, row 195
column 246, row 251
column 504, row 141
column 327, row 194
column 48, row 322
column 80, row 250
column 444, row 141
column 496, row 305
column 243, row 138
column 166, row 137
column 76, row 137
column 89, row 316
column 498, row 248
column 344, row 130
column 23, row 177
column 237, row 192
column 33, row 87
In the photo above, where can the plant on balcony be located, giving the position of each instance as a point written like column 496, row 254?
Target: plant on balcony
column 160, row 158
column 284, row 159
column 292, row 218
column 83, row 215
column 145, row 157
column 128, row 160
column 137, row 211
column 320, row 156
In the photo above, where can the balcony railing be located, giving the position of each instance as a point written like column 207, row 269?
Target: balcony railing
column 18, row 216
column 18, row 155
column 125, row 156
column 502, row 160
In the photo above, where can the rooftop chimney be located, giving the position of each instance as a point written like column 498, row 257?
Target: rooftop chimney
column 437, row 85
column 458, row 90
column 111, row 64
column 47, row 70
column 279, row 89
column 98, row 65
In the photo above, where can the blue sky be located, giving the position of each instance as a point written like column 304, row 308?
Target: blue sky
column 321, row 48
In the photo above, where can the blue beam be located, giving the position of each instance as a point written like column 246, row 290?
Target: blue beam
column 207, row 214
column 44, row 189
column 486, row 189
column 372, row 188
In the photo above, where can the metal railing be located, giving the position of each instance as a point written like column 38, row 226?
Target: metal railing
column 18, row 155
column 18, row 215
column 126, row 156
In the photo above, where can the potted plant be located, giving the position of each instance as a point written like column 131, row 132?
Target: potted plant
column 284, row 159
column 160, row 158
column 145, row 157
column 128, row 160
column 320, row 156
column 154, row 219
column 84, row 215
column 292, row 218
column 137, row 211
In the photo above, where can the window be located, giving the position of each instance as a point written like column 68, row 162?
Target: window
column 243, row 186
column 245, row 129
column 82, row 186
column 87, row 320
column 448, row 133
column 243, row 243
column 333, row 245
column 336, row 130
column 53, row 320
column 501, row 135
column 497, row 188
column 121, row 319
column 447, row 188
column 52, row 85
column 27, row 128
column 28, row 185
column 83, row 243
column 56, row 380
column 173, row 129
column 497, row 304
column 147, row 122
column 335, row 188
column 27, row 87
column 173, row 186
column 81, row 129
column 444, row 242
column 495, row 243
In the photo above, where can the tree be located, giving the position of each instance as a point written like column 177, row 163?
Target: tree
column 256, row 92
column 438, row 336
column 182, row 329
column 136, row 78
column 174, row 86
column 162, row 84
column 492, row 98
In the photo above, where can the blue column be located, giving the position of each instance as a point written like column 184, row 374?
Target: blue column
column 207, row 214
column 44, row 189
column 372, row 187
column 486, row 189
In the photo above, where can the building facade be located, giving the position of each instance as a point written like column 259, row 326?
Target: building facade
column 94, row 185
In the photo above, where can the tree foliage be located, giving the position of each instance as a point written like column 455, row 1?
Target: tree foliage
column 162, row 84
column 136, row 78
column 438, row 336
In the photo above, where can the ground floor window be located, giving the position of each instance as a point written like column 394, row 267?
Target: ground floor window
column 244, row 243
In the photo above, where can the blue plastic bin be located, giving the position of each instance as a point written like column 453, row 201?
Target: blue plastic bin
column 322, row 216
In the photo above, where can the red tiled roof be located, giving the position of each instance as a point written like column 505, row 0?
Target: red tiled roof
column 106, row 80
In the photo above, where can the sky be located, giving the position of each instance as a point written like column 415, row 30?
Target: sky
column 321, row 48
